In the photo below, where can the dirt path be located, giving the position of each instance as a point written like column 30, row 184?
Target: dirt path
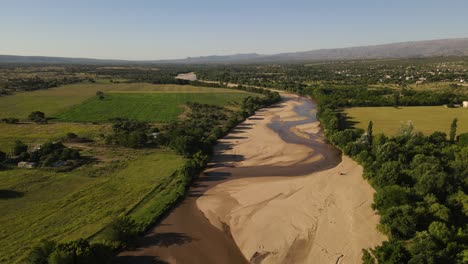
column 258, row 203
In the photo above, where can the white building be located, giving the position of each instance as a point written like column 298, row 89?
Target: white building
column 465, row 104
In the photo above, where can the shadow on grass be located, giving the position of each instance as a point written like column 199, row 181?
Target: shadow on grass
column 10, row 194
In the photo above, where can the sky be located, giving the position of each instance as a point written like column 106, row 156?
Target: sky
column 160, row 29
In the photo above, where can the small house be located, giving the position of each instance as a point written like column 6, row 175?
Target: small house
column 465, row 104
column 26, row 165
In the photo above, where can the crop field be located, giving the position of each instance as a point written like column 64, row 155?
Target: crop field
column 426, row 119
column 56, row 100
column 154, row 107
column 168, row 88
column 40, row 204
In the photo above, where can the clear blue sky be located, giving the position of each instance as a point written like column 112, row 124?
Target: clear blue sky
column 160, row 29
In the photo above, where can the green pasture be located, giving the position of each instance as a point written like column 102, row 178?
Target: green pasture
column 153, row 107
column 40, row 204
column 426, row 119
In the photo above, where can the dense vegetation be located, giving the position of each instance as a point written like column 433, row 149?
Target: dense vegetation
column 420, row 181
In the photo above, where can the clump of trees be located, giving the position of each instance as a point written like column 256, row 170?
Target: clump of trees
column 38, row 117
column 46, row 155
column 129, row 133
column 77, row 252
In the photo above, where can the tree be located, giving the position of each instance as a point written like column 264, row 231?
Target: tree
column 100, row 95
column 369, row 132
column 406, row 130
column 390, row 196
column 396, row 99
column 41, row 252
column 19, row 147
column 38, row 117
column 367, row 257
column 453, row 130
column 2, row 156
column 391, row 252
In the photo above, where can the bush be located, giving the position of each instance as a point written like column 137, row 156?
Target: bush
column 124, row 230
column 74, row 252
column 463, row 139
column 38, row 117
column 19, row 148
column 10, row 120
column 41, row 252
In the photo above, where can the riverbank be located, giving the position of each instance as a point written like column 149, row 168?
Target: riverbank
column 322, row 217
column 274, row 193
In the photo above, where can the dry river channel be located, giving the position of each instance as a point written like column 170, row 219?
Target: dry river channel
column 231, row 215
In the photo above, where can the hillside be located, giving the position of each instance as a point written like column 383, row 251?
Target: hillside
column 419, row 49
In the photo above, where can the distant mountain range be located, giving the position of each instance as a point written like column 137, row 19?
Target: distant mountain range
column 412, row 49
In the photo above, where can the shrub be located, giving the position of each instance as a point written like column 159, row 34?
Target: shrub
column 123, row 230
column 10, row 120
column 19, row 148
column 38, row 117
column 74, row 252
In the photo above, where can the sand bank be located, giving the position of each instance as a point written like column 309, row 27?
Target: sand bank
column 324, row 217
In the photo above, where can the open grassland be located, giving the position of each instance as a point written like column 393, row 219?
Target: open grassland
column 50, row 101
column 426, row 119
column 154, row 107
column 40, row 204
column 56, row 100
column 33, row 134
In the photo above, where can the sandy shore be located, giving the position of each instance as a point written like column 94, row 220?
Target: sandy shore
column 323, row 217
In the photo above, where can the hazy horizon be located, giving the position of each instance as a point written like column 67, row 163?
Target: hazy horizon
column 149, row 30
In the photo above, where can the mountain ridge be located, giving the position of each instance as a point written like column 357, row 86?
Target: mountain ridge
column 408, row 49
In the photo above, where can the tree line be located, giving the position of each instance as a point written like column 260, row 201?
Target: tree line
column 420, row 181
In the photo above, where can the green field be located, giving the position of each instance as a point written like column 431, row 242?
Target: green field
column 77, row 204
column 154, row 107
column 50, row 101
column 56, row 100
column 33, row 134
column 426, row 119
column 167, row 88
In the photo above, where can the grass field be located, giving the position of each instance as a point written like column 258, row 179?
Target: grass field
column 426, row 119
column 56, row 100
column 67, row 206
column 50, row 101
column 154, row 107
column 33, row 134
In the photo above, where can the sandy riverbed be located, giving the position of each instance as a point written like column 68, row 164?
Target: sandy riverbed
column 323, row 217
column 275, row 192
